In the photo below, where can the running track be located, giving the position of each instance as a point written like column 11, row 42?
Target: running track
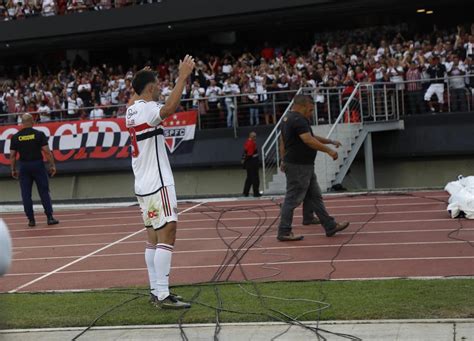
column 103, row 248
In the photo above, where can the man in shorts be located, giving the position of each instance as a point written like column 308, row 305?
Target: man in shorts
column 154, row 183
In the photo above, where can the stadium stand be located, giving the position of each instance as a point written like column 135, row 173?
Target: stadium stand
column 272, row 73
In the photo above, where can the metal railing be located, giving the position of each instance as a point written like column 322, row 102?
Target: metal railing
column 377, row 101
column 344, row 110
column 230, row 111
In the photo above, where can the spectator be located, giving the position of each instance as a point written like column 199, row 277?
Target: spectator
column 254, row 109
column 414, row 88
column 230, row 88
column 73, row 104
column 268, row 52
column 457, row 85
column 44, row 111
column 227, row 67
column 96, row 113
column 212, row 92
column 3, row 107
column 84, row 91
column 48, row 8
column 436, row 73
column 76, row 6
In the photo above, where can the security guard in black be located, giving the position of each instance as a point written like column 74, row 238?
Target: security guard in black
column 30, row 144
column 293, row 125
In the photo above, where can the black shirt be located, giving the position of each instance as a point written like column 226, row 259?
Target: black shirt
column 293, row 125
column 436, row 71
column 29, row 142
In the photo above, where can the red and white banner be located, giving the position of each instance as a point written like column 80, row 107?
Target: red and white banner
column 99, row 139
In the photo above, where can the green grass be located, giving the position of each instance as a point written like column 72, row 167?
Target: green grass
column 350, row 300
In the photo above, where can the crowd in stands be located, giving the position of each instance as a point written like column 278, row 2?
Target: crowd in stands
column 22, row 9
column 337, row 59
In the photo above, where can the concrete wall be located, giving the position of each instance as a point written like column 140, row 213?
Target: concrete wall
column 410, row 173
column 406, row 173
column 201, row 182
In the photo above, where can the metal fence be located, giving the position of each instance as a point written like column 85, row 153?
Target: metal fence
column 232, row 111
column 376, row 100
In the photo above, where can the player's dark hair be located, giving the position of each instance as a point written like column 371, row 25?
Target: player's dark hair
column 142, row 79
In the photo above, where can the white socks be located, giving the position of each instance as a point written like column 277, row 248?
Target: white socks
column 150, row 264
column 162, row 261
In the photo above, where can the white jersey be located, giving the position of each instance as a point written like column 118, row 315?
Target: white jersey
column 150, row 163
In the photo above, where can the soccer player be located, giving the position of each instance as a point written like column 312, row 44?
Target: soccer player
column 154, row 183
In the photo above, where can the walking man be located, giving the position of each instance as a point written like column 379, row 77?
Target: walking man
column 154, row 183
column 298, row 147
column 31, row 144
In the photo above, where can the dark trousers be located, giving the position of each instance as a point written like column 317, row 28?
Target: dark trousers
column 212, row 115
column 34, row 171
column 416, row 103
column 458, row 100
column 251, row 165
column 301, row 185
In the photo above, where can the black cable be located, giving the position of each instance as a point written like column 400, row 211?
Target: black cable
column 232, row 260
column 281, row 316
column 233, row 257
column 103, row 314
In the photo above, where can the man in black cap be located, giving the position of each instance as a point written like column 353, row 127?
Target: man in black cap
column 31, row 144
column 298, row 147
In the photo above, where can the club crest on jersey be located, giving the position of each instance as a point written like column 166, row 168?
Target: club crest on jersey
column 178, row 128
column 174, row 137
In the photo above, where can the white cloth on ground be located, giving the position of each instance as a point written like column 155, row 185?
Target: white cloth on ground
column 461, row 197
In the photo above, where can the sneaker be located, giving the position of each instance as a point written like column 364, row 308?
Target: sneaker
column 154, row 298
column 257, row 195
column 31, row 223
column 171, row 302
column 52, row 221
column 338, row 228
column 290, row 237
column 314, row 221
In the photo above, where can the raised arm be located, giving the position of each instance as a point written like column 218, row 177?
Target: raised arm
column 186, row 66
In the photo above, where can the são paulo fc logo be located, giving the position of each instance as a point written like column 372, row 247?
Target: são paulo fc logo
column 178, row 128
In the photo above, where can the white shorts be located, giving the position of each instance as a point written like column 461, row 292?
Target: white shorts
column 437, row 89
column 160, row 208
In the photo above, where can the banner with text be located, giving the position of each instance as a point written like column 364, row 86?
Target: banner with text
column 98, row 144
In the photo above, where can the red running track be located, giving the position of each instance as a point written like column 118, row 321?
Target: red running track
column 399, row 236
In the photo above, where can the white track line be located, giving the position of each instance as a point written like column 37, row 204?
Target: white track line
column 382, row 222
column 348, row 233
column 263, row 248
column 138, row 218
column 257, row 203
column 88, row 255
column 128, row 212
column 265, row 263
column 297, row 215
